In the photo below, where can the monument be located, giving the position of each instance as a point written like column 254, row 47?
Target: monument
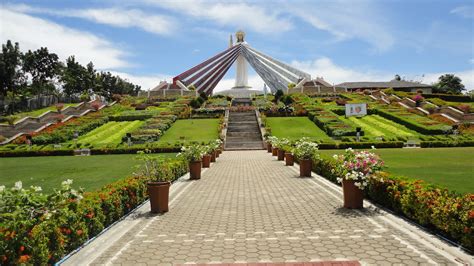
column 241, row 65
column 206, row 75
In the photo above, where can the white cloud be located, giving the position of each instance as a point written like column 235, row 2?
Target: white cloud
column 246, row 16
column 254, row 81
column 117, row 17
column 335, row 74
column 464, row 11
column 361, row 20
column 145, row 81
column 33, row 33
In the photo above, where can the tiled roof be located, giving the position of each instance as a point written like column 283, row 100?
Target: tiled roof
column 390, row 84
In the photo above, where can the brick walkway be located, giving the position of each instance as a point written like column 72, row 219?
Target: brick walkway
column 250, row 208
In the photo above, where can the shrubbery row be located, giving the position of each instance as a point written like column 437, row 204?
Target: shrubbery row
column 438, row 209
column 40, row 229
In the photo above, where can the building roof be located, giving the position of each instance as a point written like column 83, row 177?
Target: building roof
column 390, row 84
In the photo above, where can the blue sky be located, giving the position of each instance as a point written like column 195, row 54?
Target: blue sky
column 147, row 41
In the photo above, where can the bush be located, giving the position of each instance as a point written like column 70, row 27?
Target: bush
column 435, row 208
column 40, row 229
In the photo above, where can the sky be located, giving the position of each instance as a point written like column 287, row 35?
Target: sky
column 146, row 41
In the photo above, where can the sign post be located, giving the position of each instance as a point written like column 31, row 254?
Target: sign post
column 356, row 109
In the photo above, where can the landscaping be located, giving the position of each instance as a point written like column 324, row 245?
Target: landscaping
column 89, row 172
column 294, row 128
column 200, row 130
column 109, row 133
column 447, row 167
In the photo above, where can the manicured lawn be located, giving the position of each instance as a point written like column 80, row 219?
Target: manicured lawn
column 449, row 167
column 89, row 172
column 295, row 128
column 191, row 130
column 377, row 126
column 109, row 133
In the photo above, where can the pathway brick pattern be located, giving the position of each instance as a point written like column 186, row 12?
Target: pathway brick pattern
column 250, row 208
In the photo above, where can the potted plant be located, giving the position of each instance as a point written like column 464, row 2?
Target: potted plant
column 218, row 147
column 206, row 158
column 193, row 154
column 305, row 150
column 356, row 168
column 289, row 157
column 280, row 145
column 274, row 141
column 269, row 143
column 160, row 176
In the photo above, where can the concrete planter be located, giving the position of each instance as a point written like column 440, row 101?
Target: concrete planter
column 305, row 167
column 195, row 170
column 289, row 159
column 281, row 155
column 353, row 196
column 159, row 196
column 274, row 151
column 206, row 161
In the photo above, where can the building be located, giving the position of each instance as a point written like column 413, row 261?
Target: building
column 398, row 85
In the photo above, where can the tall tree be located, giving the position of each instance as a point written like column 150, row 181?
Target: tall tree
column 11, row 76
column 449, row 83
column 73, row 77
column 43, row 67
column 90, row 78
column 397, row 77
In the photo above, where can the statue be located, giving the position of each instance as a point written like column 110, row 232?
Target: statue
column 239, row 35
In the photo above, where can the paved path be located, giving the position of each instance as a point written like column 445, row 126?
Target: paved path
column 248, row 207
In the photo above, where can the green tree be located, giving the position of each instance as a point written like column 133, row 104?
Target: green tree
column 397, row 77
column 449, row 83
column 43, row 67
column 278, row 95
column 11, row 76
column 73, row 77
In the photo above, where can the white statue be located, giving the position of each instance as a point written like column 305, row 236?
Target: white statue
column 241, row 76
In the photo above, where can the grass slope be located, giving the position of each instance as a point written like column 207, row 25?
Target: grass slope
column 36, row 113
column 89, row 172
column 295, row 128
column 109, row 133
column 191, row 130
column 449, row 167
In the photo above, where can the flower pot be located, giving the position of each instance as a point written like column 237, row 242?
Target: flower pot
column 305, row 167
column 353, row 196
column 269, row 147
column 206, row 161
column 213, row 156
column 159, row 196
column 289, row 159
column 281, row 155
column 218, row 151
column 195, row 170
column 274, row 151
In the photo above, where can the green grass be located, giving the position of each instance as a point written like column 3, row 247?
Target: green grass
column 377, row 126
column 109, row 133
column 295, row 128
column 191, row 130
column 448, row 167
column 89, row 172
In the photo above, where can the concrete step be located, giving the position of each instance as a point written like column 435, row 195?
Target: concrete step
column 244, row 139
column 258, row 145
column 242, row 133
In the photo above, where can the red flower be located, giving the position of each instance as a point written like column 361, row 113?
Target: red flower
column 23, row 258
column 22, row 248
column 471, row 214
column 79, row 232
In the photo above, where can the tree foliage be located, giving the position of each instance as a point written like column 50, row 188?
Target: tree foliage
column 10, row 74
column 43, row 67
column 449, row 83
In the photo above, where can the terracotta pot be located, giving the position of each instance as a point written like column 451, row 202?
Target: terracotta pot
column 269, row 147
column 195, row 170
column 289, row 159
column 274, row 151
column 159, row 196
column 218, row 152
column 305, row 167
column 213, row 156
column 353, row 196
column 281, row 155
column 206, row 161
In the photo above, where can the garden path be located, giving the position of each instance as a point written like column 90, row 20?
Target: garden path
column 250, row 208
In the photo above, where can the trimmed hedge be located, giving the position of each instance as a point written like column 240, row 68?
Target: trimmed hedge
column 450, row 98
column 409, row 124
column 434, row 144
column 437, row 209
column 67, row 152
column 46, row 237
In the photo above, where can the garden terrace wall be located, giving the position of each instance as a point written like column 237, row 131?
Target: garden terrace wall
column 436, row 209
column 41, row 240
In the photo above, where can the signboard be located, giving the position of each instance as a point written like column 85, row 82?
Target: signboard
column 356, row 109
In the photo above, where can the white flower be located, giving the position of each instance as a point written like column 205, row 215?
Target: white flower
column 335, row 156
column 18, row 185
column 67, row 182
column 36, row 188
column 357, row 184
column 2, row 188
column 372, row 147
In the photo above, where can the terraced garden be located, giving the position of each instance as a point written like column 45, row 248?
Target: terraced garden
column 109, row 133
column 201, row 130
column 377, row 126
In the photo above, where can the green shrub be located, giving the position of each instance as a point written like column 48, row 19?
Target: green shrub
column 40, row 229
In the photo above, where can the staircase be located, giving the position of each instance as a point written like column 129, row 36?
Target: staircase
column 243, row 132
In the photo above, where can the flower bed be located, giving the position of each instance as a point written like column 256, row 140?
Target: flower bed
column 437, row 209
column 40, row 229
